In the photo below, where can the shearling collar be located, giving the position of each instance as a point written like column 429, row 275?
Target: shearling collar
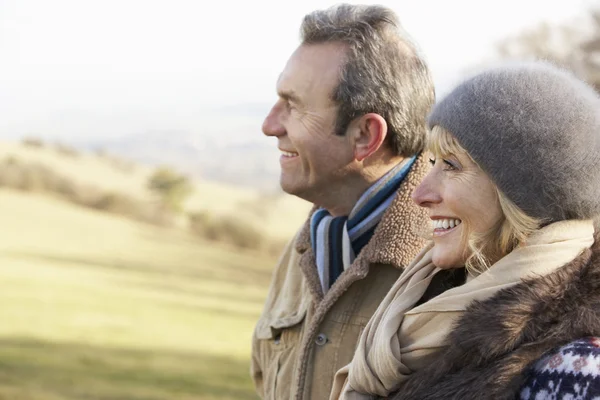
column 396, row 240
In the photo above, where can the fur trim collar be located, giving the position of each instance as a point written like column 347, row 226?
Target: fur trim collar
column 497, row 340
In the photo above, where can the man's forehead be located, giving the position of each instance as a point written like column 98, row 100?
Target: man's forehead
column 310, row 67
column 286, row 87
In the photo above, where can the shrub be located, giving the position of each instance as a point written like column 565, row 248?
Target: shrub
column 171, row 187
column 228, row 229
column 32, row 142
column 27, row 177
column 38, row 177
column 114, row 202
column 121, row 204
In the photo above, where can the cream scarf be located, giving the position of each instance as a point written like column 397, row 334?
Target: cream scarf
column 400, row 339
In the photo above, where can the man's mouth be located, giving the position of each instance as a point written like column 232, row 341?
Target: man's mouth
column 288, row 154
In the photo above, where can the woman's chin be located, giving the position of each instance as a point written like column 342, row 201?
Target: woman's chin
column 447, row 259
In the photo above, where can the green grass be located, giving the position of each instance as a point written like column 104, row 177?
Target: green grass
column 94, row 306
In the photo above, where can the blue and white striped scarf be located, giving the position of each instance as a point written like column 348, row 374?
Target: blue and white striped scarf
column 337, row 241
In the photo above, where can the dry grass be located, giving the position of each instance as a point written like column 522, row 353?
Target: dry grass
column 95, row 306
column 98, row 306
column 278, row 216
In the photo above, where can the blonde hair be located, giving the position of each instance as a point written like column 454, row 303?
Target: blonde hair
column 513, row 228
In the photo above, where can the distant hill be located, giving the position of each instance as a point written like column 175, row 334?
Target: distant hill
column 278, row 214
column 252, row 162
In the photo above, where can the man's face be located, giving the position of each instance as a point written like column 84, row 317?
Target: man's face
column 314, row 160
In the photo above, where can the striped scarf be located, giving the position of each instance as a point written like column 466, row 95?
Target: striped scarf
column 337, row 241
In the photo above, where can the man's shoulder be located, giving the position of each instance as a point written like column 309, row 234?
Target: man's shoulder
column 289, row 257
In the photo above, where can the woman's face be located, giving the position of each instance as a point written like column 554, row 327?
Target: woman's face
column 459, row 197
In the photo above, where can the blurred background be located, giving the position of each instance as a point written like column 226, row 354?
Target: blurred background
column 139, row 202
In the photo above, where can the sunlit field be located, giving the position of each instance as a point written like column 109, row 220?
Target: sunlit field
column 95, row 306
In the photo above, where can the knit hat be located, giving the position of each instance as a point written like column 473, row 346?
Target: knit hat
column 535, row 130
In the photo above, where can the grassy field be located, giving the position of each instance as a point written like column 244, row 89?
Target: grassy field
column 94, row 306
column 264, row 210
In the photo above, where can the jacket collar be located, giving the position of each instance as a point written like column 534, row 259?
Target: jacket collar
column 397, row 239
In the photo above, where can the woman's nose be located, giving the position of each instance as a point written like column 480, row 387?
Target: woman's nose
column 427, row 193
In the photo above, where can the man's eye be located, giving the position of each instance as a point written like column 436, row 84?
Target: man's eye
column 432, row 161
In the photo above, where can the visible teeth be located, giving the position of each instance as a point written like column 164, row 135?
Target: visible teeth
column 288, row 154
column 446, row 223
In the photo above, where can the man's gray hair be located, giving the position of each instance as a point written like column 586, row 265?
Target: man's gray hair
column 383, row 73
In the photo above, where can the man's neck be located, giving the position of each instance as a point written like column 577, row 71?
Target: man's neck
column 345, row 199
column 341, row 201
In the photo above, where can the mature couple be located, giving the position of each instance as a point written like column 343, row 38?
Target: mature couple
column 451, row 251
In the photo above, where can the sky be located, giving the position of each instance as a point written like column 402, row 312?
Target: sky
column 83, row 69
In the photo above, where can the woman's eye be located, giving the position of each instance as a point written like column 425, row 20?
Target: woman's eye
column 449, row 166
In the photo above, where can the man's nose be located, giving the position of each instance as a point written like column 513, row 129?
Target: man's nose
column 272, row 125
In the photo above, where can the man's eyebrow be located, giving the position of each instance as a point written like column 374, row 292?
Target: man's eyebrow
column 289, row 95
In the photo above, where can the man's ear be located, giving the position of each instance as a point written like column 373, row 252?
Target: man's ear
column 369, row 135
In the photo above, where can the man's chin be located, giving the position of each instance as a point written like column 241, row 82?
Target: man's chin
column 291, row 187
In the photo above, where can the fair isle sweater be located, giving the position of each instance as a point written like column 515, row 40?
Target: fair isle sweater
column 569, row 373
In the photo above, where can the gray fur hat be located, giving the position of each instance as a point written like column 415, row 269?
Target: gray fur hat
column 535, row 130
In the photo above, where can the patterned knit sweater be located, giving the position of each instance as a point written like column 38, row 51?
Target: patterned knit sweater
column 569, row 373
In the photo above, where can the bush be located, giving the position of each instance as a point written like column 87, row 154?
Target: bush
column 121, row 204
column 171, row 187
column 37, row 177
column 27, row 177
column 32, row 180
column 33, row 142
column 114, row 202
column 227, row 229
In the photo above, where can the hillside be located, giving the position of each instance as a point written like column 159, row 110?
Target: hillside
column 98, row 305
column 278, row 215
column 95, row 306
